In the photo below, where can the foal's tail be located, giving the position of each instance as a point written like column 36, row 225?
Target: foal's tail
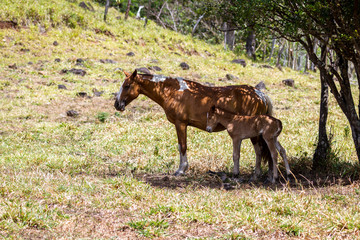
column 270, row 110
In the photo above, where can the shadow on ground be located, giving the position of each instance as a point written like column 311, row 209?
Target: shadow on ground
column 303, row 177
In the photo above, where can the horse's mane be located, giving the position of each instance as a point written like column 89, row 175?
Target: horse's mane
column 194, row 83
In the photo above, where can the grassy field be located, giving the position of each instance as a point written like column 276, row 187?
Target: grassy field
column 107, row 175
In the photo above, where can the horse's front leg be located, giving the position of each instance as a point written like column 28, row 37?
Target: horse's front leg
column 181, row 129
column 236, row 155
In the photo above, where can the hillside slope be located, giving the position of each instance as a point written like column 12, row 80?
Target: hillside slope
column 73, row 167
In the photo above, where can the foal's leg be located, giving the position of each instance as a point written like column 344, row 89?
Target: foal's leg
column 274, row 155
column 236, row 155
column 283, row 155
column 181, row 133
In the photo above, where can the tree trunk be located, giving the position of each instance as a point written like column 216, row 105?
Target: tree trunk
column 281, row 50
column 264, row 51
column 348, row 102
column 343, row 97
column 172, row 16
column 355, row 130
column 147, row 13
column 106, row 9
column 290, row 55
column 272, row 49
column 127, row 10
column 250, row 44
column 323, row 146
column 306, row 67
column 196, row 24
column 286, row 53
column 229, row 37
column 312, row 65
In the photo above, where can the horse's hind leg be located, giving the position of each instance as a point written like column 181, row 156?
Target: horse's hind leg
column 257, row 171
column 181, row 133
column 274, row 155
column 284, row 157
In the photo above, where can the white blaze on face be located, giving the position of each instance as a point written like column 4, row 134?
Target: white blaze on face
column 119, row 93
column 182, row 83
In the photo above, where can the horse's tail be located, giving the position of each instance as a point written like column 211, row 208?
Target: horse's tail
column 265, row 151
column 270, row 109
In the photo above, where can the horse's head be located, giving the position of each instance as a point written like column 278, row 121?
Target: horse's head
column 129, row 90
column 212, row 119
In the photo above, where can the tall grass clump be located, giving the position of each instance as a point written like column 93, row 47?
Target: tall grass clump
column 47, row 13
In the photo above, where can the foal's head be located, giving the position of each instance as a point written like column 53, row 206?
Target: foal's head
column 129, row 90
column 212, row 119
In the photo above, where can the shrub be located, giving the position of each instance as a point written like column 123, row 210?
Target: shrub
column 102, row 116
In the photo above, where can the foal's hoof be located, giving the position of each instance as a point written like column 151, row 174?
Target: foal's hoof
column 237, row 175
column 238, row 180
column 269, row 181
column 266, row 182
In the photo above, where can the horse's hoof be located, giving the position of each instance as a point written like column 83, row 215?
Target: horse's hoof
column 228, row 186
column 290, row 178
column 179, row 173
column 253, row 179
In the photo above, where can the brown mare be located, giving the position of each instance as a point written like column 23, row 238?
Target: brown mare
column 186, row 103
column 241, row 127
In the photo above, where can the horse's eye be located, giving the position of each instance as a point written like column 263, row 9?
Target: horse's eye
column 126, row 86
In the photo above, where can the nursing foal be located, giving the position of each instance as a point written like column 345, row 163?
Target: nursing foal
column 242, row 127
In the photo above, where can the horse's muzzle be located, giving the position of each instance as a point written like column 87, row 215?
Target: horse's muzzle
column 120, row 106
column 209, row 129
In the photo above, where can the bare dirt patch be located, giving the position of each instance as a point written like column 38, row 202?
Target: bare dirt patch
column 8, row 24
column 87, row 224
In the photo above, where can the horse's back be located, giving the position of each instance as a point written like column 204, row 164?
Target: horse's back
column 242, row 99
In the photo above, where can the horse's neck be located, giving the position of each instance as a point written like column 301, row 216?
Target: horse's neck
column 225, row 119
column 153, row 90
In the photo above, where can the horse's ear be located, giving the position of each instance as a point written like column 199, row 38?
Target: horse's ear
column 134, row 74
column 126, row 73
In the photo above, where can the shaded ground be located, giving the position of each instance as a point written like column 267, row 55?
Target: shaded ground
column 302, row 182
